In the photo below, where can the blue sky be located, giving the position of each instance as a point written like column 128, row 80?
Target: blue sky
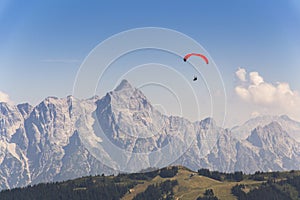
column 43, row 43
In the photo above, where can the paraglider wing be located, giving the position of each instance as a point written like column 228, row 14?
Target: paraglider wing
column 195, row 54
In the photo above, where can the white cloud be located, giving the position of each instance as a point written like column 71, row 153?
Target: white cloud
column 263, row 93
column 241, row 74
column 4, row 97
column 255, row 78
column 242, row 92
column 269, row 98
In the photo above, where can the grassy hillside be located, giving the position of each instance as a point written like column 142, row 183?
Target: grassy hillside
column 191, row 186
column 169, row 183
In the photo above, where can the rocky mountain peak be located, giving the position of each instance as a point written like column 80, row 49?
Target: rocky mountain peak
column 124, row 85
column 60, row 139
column 289, row 125
column 24, row 109
column 268, row 135
column 274, row 126
column 285, row 117
column 208, row 123
column 125, row 96
column 3, row 108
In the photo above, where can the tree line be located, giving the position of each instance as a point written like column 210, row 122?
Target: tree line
column 221, row 176
column 286, row 189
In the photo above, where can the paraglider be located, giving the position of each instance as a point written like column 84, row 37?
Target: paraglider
column 195, row 54
column 186, row 57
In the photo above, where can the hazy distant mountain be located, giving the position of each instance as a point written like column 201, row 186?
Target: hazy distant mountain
column 60, row 139
column 276, row 148
column 292, row 127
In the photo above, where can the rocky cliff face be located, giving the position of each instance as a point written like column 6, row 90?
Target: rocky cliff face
column 66, row 138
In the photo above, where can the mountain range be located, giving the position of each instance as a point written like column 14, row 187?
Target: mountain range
column 65, row 138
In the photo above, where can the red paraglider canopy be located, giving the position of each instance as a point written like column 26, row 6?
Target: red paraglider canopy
column 195, row 54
